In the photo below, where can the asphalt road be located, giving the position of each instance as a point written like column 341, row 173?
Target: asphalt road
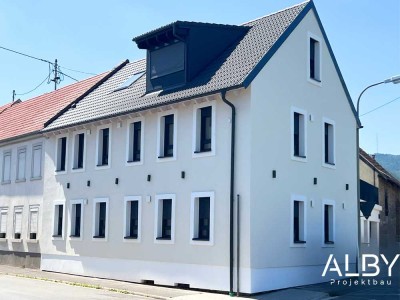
column 17, row 288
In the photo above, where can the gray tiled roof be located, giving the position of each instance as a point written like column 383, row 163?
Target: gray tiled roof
column 228, row 71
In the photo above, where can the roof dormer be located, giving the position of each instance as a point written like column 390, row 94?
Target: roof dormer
column 176, row 53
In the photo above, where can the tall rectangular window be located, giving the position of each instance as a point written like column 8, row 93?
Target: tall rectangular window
column 205, row 129
column 17, row 222
column 168, row 141
column 299, row 135
column 165, row 218
column 298, row 222
column 386, row 203
column 58, row 220
column 33, row 222
column 329, row 147
column 21, row 163
column 203, row 230
column 79, row 151
column 314, row 63
column 3, row 222
column 133, row 220
column 328, row 224
column 37, row 161
column 76, row 219
column 103, row 147
column 6, row 167
column 61, row 154
column 100, row 219
column 135, row 142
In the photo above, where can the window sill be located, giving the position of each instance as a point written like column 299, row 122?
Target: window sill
column 16, row 240
column 200, row 240
column 299, row 158
column 202, row 151
column 165, row 156
column 130, row 237
column 57, row 237
column 299, row 242
column 329, row 243
column 99, row 237
column 3, row 240
column 134, row 162
column 329, row 165
column 20, row 180
column 35, row 241
column 103, row 165
column 6, row 182
column 77, row 169
column 163, row 238
column 315, row 81
column 75, row 236
column 36, row 178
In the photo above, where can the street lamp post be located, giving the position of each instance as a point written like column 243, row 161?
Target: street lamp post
column 394, row 80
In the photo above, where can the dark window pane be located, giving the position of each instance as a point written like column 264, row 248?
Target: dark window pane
column 205, row 130
column 102, row 219
column 134, row 219
column 386, row 204
column 327, row 143
column 312, row 58
column 169, row 135
column 63, row 153
column 204, row 218
column 137, row 129
column 81, row 145
column 105, row 146
column 77, row 232
column 167, row 60
column 296, row 221
column 296, row 134
column 166, row 219
column 60, row 219
column 326, row 224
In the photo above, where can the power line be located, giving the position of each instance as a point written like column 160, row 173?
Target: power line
column 376, row 108
column 88, row 73
column 23, row 54
column 47, row 77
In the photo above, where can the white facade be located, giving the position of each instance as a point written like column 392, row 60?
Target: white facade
column 21, row 195
column 270, row 258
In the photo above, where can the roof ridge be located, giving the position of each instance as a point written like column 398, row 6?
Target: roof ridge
column 276, row 12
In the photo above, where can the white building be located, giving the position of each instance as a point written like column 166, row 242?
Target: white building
column 21, row 170
column 143, row 175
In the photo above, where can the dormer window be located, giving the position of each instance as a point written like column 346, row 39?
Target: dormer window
column 167, row 60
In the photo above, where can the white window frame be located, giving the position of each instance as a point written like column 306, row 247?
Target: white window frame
column 4, row 211
column 129, row 141
column 33, row 208
column 305, row 117
column 99, row 129
column 95, row 219
column 197, row 129
column 55, row 204
column 330, row 122
column 128, row 199
column 158, row 216
column 300, row 198
column 70, row 219
column 74, row 154
column 21, row 150
column 5, row 154
column 194, row 217
column 34, row 147
column 333, row 203
column 160, row 135
column 315, row 37
column 18, row 209
column 58, row 155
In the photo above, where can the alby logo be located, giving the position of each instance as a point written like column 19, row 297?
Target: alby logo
column 369, row 263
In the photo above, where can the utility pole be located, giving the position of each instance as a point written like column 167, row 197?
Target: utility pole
column 56, row 78
column 13, row 96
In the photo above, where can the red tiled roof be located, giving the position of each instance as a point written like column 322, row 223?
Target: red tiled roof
column 20, row 119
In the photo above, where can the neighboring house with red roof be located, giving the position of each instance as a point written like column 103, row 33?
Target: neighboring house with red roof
column 22, row 166
column 380, row 208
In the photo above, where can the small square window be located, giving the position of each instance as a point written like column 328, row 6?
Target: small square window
column 328, row 224
column 100, row 219
column 61, row 154
column 17, row 222
column 135, row 142
column 103, row 147
column 132, row 218
column 21, row 163
column 58, row 227
column 298, row 222
column 76, row 219
column 79, row 151
column 3, row 222
column 33, row 222
column 6, row 167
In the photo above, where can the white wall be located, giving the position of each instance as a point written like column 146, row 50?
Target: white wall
column 24, row 194
column 281, row 85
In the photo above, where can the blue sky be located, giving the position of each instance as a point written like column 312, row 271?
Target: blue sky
column 94, row 36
